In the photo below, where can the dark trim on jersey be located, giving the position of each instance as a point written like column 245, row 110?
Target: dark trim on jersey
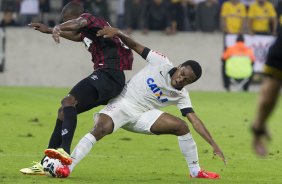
column 145, row 52
column 172, row 71
column 186, row 111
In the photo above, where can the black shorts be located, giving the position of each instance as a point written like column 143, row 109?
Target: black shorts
column 98, row 88
column 273, row 65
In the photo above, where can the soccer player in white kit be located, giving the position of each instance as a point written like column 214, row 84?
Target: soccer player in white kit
column 136, row 109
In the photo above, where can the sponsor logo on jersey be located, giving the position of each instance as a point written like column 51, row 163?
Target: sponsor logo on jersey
column 156, row 90
column 87, row 42
column 94, row 77
column 64, row 132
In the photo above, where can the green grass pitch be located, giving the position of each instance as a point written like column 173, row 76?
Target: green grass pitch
column 27, row 117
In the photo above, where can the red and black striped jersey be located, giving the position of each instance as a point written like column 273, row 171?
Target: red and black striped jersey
column 106, row 52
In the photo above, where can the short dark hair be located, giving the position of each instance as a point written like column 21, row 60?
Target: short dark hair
column 73, row 8
column 240, row 38
column 196, row 67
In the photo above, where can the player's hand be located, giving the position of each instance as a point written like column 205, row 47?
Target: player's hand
column 108, row 32
column 217, row 151
column 39, row 27
column 56, row 34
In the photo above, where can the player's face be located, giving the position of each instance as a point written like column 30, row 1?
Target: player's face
column 183, row 76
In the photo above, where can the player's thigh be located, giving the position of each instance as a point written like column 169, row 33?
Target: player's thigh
column 157, row 122
column 143, row 122
column 109, row 83
column 270, row 89
column 85, row 94
column 120, row 111
column 169, row 124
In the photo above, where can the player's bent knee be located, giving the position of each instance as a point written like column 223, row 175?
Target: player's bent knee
column 69, row 101
column 103, row 126
column 100, row 131
column 181, row 129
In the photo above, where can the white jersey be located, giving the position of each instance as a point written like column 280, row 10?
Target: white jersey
column 151, row 87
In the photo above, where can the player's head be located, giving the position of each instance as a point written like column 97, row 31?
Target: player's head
column 72, row 10
column 240, row 38
column 261, row 1
column 186, row 73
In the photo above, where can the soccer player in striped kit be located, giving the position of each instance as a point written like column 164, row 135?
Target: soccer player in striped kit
column 110, row 58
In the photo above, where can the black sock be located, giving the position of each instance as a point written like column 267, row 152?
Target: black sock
column 56, row 137
column 68, row 127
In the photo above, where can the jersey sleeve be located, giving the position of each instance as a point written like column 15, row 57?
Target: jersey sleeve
column 226, row 54
column 184, row 104
column 243, row 12
column 92, row 22
column 272, row 12
column 251, row 12
column 224, row 10
column 154, row 57
column 252, row 54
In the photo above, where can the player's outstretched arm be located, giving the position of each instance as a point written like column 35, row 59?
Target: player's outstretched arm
column 109, row 32
column 202, row 130
column 70, row 35
column 40, row 27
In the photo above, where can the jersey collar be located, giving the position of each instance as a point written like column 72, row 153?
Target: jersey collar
column 172, row 71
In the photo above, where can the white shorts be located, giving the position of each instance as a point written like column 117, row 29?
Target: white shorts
column 129, row 117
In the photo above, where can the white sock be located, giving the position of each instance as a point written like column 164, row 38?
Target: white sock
column 188, row 148
column 82, row 149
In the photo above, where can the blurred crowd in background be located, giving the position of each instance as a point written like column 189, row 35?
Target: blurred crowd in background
column 170, row 16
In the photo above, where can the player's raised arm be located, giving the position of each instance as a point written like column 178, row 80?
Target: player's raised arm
column 73, row 25
column 109, row 32
column 69, row 26
column 202, row 130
